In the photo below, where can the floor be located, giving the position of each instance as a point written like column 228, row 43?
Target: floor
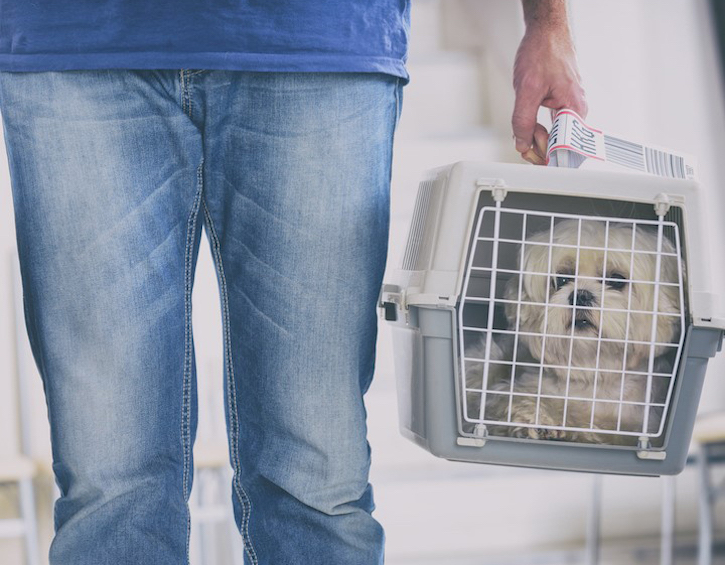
column 629, row 552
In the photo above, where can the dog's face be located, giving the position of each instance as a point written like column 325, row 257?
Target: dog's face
column 611, row 298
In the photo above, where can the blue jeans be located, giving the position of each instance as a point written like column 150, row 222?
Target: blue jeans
column 113, row 174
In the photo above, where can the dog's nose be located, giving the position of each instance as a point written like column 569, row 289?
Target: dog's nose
column 583, row 298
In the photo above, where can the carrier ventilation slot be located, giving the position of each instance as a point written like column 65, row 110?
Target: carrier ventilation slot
column 416, row 254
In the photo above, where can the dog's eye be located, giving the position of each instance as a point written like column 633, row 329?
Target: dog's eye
column 561, row 280
column 618, row 283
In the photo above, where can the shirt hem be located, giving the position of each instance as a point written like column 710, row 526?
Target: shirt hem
column 219, row 61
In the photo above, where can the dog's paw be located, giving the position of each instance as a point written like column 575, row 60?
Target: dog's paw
column 543, row 429
column 538, row 433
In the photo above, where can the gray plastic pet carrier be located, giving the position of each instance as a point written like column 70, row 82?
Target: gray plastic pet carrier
column 553, row 318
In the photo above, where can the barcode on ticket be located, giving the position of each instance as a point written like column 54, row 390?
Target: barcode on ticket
column 637, row 156
column 664, row 164
column 624, row 152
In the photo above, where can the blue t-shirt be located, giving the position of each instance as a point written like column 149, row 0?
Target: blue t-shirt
column 253, row 35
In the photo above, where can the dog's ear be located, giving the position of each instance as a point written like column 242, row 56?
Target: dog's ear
column 511, row 292
column 518, row 286
column 671, row 269
column 669, row 326
column 636, row 355
column 669, row 298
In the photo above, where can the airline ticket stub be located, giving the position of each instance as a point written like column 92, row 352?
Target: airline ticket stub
column 571, row 142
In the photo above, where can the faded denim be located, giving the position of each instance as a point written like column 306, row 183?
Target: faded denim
column 113, row 174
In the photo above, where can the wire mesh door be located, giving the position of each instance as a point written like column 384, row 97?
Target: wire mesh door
column 570, row 327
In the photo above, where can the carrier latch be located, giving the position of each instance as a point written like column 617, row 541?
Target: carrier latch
column 392, row 298
column 479, row 440
column 645, row 452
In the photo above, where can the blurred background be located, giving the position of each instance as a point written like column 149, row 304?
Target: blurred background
column 653, row 73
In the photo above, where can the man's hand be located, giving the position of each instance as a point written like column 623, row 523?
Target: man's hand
column 545, row 74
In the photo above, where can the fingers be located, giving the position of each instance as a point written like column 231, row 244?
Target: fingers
column 532, row 157
column 541, row 141
column 537, row 153
column 578, row 102
column 580, row 107
column 575, row 100
column 526, row 107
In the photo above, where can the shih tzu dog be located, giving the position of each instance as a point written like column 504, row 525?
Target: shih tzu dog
column 554, row 313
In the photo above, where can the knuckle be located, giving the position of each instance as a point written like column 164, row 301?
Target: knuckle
column 529, row 83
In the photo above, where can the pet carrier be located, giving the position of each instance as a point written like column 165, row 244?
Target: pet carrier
column 553, row 318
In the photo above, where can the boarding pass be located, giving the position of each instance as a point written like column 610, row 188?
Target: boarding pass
column 571, row 142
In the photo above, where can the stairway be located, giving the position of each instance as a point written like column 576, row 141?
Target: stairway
column 444, row 119
column 436, row 128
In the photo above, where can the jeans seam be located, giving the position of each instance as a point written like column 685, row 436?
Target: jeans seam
column 185, row 96
column 186, row 384
column 182, row 94
column 231, row 393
